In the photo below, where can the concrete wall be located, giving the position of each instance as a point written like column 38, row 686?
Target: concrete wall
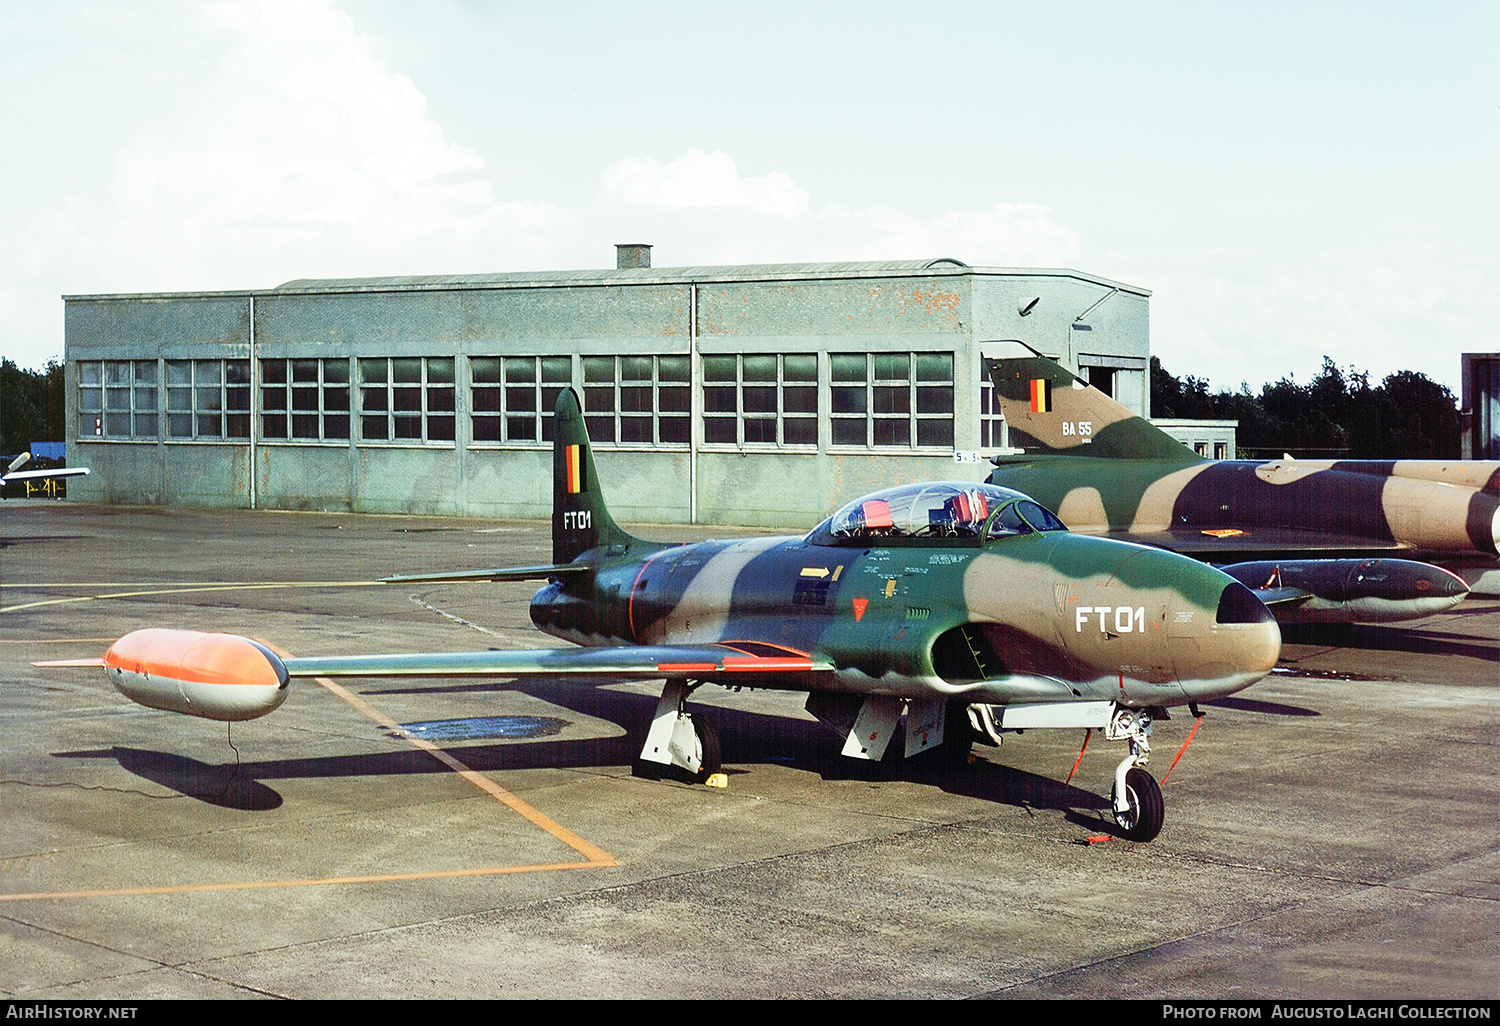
column 822, row 309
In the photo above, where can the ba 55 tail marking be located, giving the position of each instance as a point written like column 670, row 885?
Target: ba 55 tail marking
column 968, row 609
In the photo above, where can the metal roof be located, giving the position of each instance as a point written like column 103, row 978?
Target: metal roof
column 942, row 266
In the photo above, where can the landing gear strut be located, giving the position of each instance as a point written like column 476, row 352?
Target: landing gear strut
column 1136, row 797
column 680, row 739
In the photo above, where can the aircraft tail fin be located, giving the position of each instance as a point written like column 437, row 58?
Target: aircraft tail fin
column 1052, row 412
column 580, row 519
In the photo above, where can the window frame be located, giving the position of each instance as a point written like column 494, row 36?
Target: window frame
column 218, row 399
column 326, row 416
column 742, row 416
column 424, row 390
column 889, row 405
column 141, row 392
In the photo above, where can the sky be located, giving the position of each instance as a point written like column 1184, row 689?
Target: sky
column 1290, row 180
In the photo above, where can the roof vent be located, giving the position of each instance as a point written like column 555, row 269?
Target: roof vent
column 632, row 254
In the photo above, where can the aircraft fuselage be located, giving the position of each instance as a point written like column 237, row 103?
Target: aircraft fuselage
column 1416, row 508
column 1048, row 616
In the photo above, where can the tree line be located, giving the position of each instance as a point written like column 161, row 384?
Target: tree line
column 32, row 406
column 1336, row 415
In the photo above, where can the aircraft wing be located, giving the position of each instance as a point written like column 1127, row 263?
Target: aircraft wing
column 22, row 475
column 513, row 573
column 1273, row 597
column 706, row 662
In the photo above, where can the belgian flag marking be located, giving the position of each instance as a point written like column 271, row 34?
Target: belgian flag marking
column 1041, row 395
column 575, row 470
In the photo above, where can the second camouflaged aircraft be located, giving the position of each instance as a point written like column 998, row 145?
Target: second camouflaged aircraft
column 1321, row 532
column 966, row 608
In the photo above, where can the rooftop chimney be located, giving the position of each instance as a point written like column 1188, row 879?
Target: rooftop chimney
column 632, row 254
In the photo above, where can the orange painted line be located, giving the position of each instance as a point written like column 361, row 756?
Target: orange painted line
column 184, row 591
column 596, row 856
column 687, row 667
column 57, row 641
column 250, row 885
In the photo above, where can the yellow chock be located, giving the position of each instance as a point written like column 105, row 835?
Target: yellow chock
column 717, row 780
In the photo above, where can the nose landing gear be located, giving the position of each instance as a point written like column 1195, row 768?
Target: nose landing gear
column 1138, row 807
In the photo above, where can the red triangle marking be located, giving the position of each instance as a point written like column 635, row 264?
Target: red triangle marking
column 859, row 608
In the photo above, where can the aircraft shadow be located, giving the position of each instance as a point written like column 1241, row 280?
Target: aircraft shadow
column 229, row 786
column 1269, row 708
column 1388, row 638
column 747, row 738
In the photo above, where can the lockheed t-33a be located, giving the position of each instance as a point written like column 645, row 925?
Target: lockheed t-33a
column 967, row 609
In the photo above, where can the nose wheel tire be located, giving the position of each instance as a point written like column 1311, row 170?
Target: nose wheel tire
column 1143, row 820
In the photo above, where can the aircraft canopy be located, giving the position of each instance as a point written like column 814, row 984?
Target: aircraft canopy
column 939, row 509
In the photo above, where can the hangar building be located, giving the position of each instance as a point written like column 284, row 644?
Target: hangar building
column 760, row 395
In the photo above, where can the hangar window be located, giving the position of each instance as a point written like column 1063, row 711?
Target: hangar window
column 512, row 397
column 893, row 400
column 306, row 400
column 761, row 399
column 208, row 399
column 406, row 399
column 991, row 419
column 117, row 399
column 637, row 400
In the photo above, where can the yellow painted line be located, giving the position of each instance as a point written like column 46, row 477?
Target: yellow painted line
column 251, row 885
column 183, row 591
column 173, row 584
column 56, row 641
column 596, row 856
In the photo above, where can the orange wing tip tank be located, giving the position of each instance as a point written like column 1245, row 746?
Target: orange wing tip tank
column 216, row 676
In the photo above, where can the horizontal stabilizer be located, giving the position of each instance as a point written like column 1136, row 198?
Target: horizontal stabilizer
column 513, row 573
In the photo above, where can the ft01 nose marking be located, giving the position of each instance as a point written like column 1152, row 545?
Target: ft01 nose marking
column 1126, row 618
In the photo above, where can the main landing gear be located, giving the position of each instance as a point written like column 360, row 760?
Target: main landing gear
column 679, row 739
column 1136, row 797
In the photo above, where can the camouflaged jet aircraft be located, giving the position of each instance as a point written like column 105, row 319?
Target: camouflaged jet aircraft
column 966, row 608
column 1322, row 533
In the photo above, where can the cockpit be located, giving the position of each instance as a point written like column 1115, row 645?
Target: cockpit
column 935, row 512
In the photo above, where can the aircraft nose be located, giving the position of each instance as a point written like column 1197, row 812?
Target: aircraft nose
column 1445, row 584
column 1239, row 648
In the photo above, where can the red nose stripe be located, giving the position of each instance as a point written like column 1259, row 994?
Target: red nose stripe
column 192, row 656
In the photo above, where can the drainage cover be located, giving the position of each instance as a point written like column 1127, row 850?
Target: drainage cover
column 504, row 727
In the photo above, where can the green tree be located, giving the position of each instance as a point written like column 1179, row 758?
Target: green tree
column 32, row 406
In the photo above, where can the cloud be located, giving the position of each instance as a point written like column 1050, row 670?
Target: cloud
column 1407, row 300
column 700, row 204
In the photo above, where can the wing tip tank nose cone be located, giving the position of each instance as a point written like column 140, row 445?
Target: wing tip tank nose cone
column 216, row 676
